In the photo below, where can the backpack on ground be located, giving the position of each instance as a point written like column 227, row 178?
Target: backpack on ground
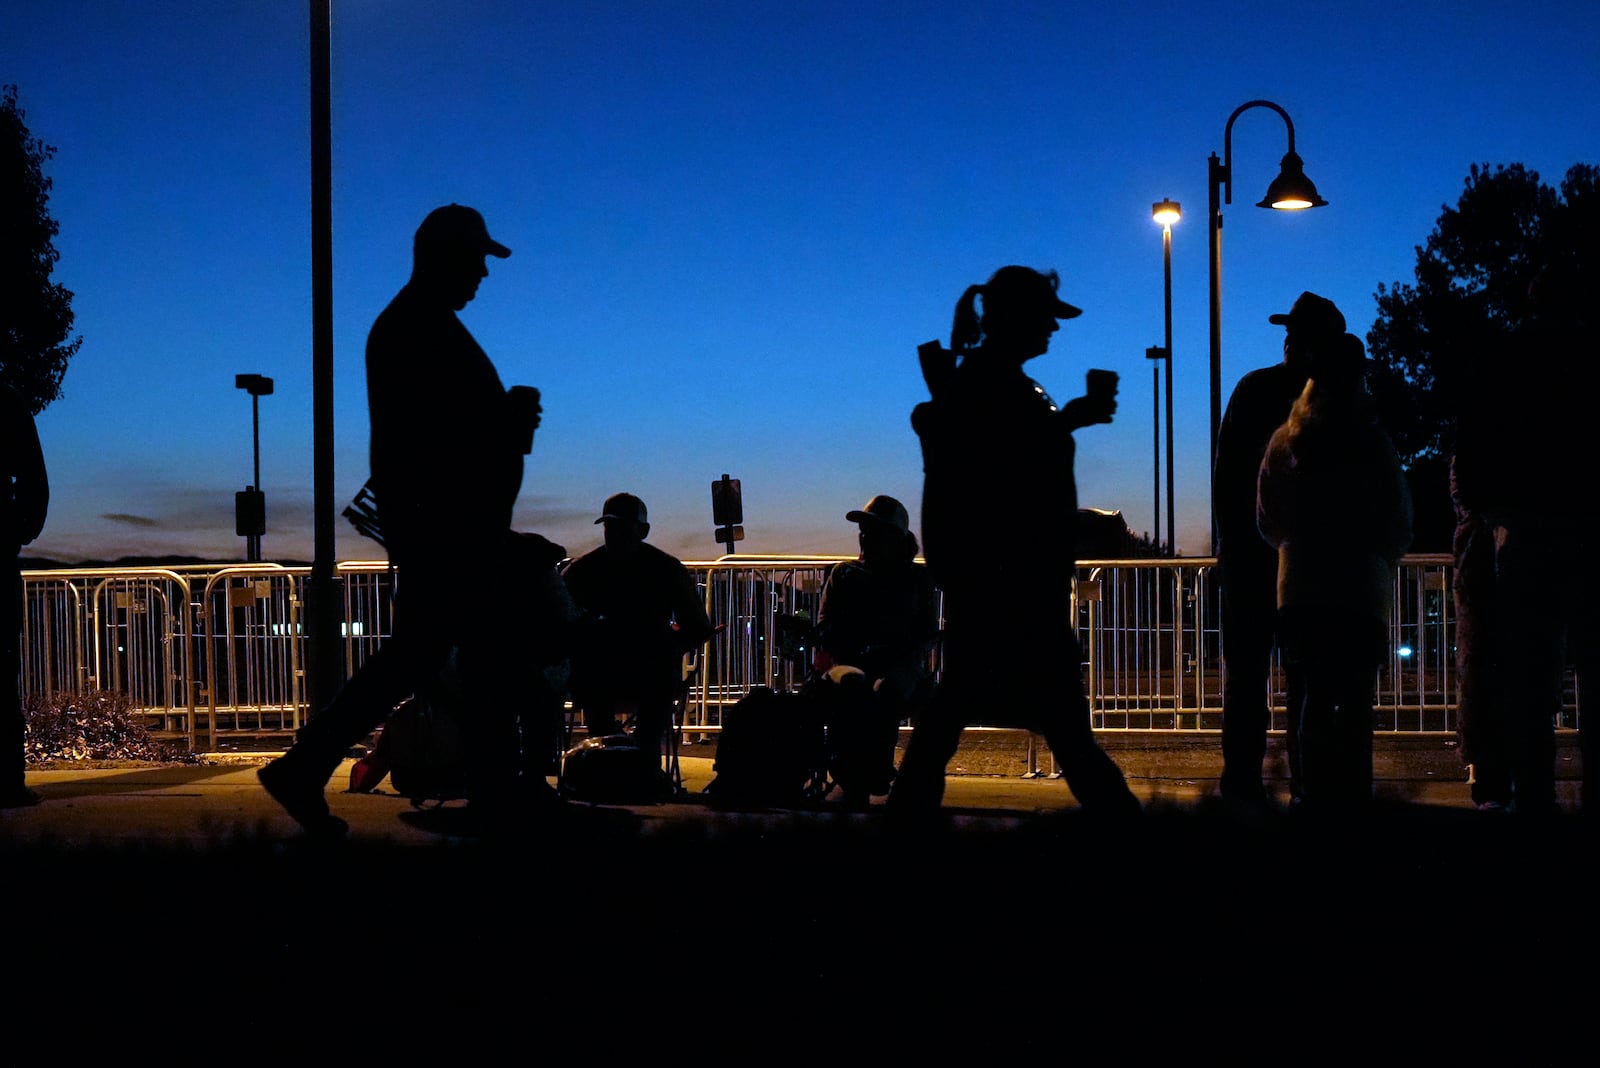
column 771, row 751
column 419, row 750
column 612, row 770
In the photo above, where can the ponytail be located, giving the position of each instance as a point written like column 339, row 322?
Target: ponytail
column 965, row 330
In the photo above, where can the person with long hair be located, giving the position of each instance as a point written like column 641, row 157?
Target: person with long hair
column 1333, row 502
column 999, row 509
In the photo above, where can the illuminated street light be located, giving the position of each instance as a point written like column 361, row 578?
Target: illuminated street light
column 1166, row 213
column 1290, row 191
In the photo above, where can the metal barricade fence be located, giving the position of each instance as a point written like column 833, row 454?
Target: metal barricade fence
column 202, row 650
column 124, row 630
column 208, row 652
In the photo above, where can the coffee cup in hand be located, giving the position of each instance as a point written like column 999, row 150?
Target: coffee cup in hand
column 1102, row 392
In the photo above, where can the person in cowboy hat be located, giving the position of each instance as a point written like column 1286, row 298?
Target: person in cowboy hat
column 1247, row 566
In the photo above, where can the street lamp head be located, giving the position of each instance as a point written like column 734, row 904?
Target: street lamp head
column 1166, row 212
column 255, row 385
column 1291, row 190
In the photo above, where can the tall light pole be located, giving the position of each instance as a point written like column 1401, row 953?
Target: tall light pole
column 1291, row 190
column 250, row 507
column 1155, row 354
column 324, row 608
column 1165, row 213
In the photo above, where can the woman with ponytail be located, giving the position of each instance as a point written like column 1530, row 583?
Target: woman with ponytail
column 999, row 504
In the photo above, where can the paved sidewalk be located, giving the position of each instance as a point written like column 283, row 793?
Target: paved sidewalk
column 207, row 805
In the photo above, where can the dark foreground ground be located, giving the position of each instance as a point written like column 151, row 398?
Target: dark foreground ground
column 1422, row 932
column 768, row 930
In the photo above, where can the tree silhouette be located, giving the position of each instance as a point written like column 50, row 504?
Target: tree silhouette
column 36, row 314
column 1469, row 308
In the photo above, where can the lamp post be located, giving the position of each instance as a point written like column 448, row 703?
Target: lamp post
column 1165, row 213
column 1154, row 354
column 250, row 507
column 324, row 608
column 1291, row 190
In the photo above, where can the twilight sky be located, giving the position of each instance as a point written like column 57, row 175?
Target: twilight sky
column 732, row 222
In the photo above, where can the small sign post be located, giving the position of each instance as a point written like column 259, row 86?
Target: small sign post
column 727, row 511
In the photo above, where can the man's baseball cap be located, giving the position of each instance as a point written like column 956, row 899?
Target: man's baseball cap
column 1311, row 314
column 882, row 510
column 458, row 226
column 624, row 506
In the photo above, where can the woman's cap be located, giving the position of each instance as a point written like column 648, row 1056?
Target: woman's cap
column 1025, row 286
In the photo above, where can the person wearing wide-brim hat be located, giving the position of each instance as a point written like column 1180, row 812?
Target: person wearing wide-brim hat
column 1247, row 566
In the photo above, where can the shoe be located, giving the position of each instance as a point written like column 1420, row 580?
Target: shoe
column 21, row 797
column 855, row 801
column 450, row 821
column 1247, row 793
column 302, row 799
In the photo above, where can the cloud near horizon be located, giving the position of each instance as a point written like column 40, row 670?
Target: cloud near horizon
column 132, row 520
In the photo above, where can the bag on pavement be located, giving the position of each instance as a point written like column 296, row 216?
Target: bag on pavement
column 771, row 751
column 419, row 749
column 611, row 770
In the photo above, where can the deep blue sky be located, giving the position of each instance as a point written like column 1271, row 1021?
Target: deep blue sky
column 732, row 224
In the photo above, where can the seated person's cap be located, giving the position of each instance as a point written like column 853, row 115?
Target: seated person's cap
column 458, row 226
column 882, row 510
column 1311, row 314
column 624, row 506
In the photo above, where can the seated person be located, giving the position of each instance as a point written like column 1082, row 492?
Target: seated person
column 641, row 612
column 542, row 621
column 879, row 616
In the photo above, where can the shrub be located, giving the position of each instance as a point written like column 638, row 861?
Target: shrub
column 94, row 725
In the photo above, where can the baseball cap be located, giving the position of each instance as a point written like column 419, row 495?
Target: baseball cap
column 1311, row 314
column 624, row 506
column 882, row 509
column 1024, row 286
column 458, row 226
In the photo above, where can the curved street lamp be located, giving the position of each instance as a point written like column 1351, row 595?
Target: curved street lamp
column 1291, row 190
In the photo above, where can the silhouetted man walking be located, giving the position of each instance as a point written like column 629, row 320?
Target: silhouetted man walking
column 447, row 455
